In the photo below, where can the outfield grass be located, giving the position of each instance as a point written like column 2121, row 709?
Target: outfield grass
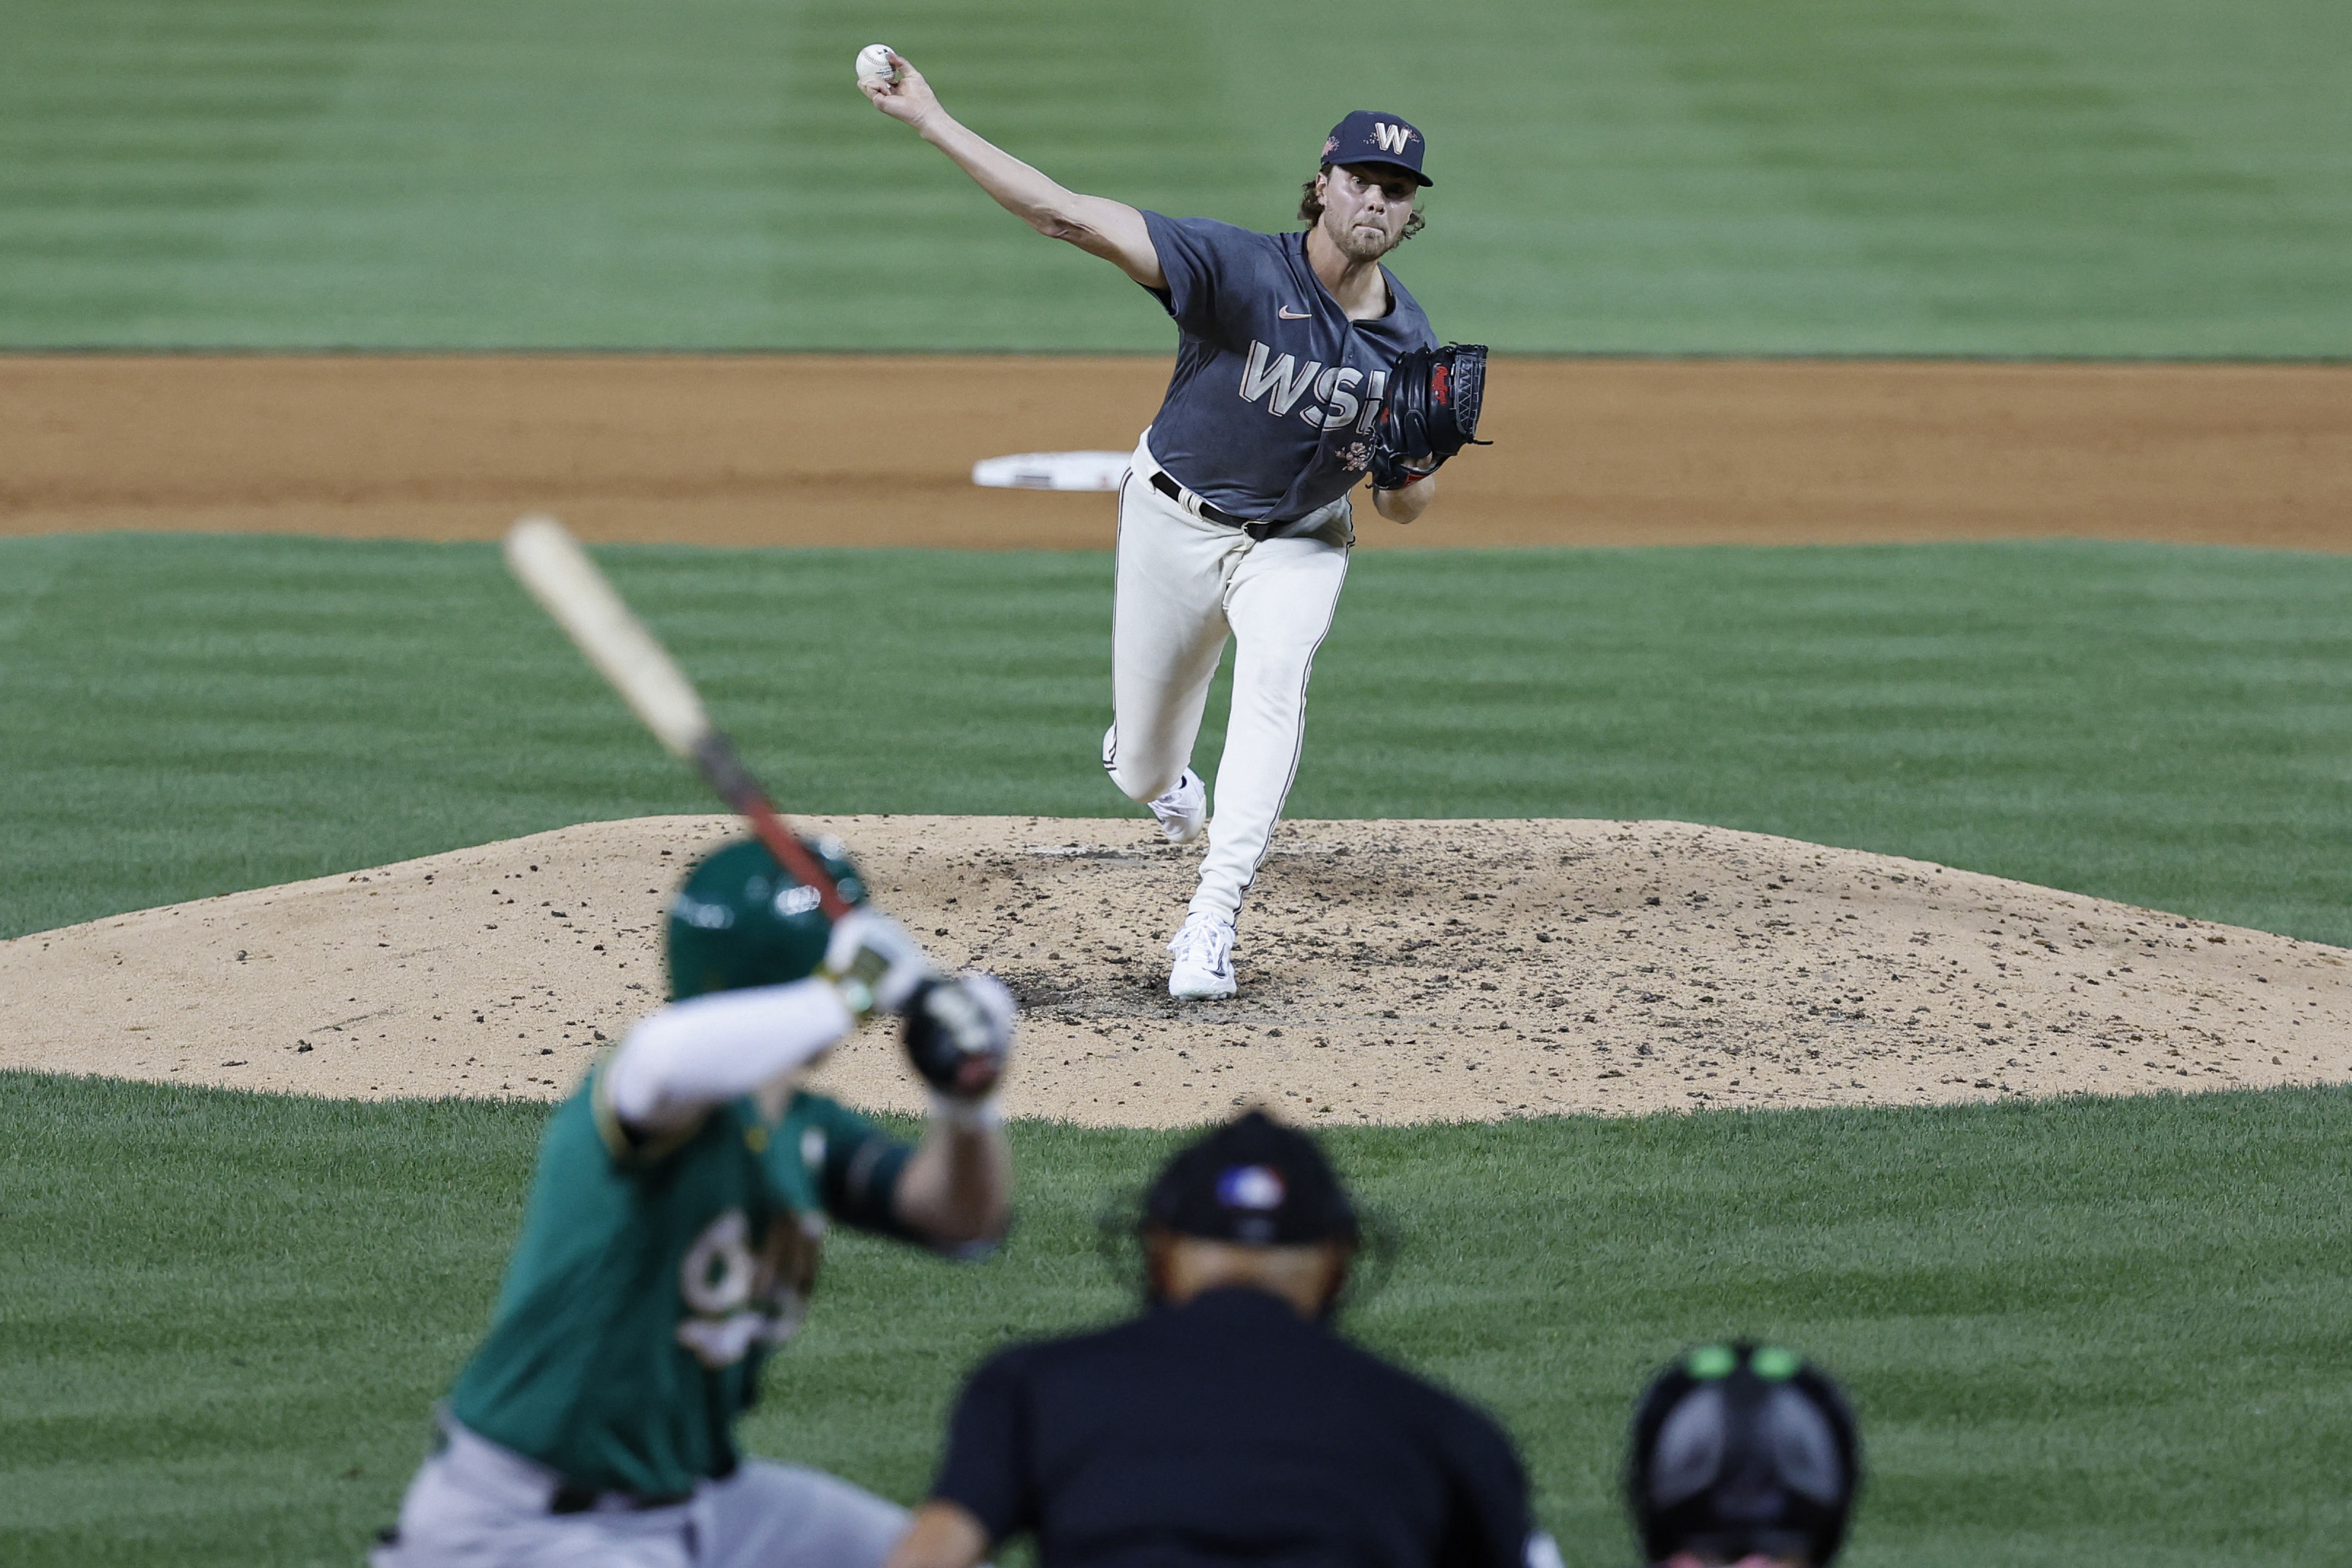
column 1973, row 176
column 2079, row 1335
column 2168, row 726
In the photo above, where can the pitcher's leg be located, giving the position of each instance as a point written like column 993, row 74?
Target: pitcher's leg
column 1280, row 607
column 1168, row 629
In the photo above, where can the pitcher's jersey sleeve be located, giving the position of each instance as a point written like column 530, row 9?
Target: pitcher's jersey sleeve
column 1207, row 263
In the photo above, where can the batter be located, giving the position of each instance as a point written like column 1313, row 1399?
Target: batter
column 672, row 1240
column 1233, row 520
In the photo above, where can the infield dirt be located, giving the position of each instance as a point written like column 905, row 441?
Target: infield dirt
column 1391, row 971
column 834, row 450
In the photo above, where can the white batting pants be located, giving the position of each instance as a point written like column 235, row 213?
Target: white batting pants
column 1184, row 585
column 478, row 1505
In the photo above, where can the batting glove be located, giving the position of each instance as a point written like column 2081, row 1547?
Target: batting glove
column 959, row 1036
column 874, row 963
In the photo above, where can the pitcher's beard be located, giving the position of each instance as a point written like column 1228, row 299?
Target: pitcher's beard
column 1361, row 244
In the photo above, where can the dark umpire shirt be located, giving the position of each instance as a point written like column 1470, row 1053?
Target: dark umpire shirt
column 1230, row 1430
column 1269, row 412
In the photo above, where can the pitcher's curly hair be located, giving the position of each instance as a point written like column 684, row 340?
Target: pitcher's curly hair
column 1309, row 209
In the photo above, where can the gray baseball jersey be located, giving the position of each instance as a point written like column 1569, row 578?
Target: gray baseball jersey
column 1270, row 411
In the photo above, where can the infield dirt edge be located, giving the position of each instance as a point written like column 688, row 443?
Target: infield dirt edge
column 1392, row 972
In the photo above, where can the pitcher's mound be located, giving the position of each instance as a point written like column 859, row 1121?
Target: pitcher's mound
column 1390, row 972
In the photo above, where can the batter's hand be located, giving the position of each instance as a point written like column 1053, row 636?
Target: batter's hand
column 959, row 1033
column 909, row 97
column 873, row 961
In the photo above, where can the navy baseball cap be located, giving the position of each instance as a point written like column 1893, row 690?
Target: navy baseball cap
column 1255, row 1182
column 1368, row 136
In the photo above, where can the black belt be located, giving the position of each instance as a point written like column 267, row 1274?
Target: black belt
column 574, row 1498
column 1261, row 531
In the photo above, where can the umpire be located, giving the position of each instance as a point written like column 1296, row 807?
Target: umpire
column 1228, row 1422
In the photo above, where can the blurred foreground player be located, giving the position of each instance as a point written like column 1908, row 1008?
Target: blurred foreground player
column 1228, row 1423
column 672, row 1239
column 1742, row 1454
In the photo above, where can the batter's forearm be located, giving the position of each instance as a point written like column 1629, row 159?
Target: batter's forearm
column 677, row 1063
column 958, row 1189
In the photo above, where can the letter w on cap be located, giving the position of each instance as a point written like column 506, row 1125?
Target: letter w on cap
column 1392, row 138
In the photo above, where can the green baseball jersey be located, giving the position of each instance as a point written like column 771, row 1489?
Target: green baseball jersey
column 652, row 1279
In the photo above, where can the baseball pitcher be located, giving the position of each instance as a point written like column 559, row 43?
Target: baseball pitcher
column 672, row 1239
column 1302, row 367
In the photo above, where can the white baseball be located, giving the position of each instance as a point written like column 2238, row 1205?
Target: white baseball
column 874, row 64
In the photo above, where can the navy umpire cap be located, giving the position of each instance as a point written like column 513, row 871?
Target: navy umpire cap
column 1255, row 1182
column 1368, row 136
column 1742, row 1448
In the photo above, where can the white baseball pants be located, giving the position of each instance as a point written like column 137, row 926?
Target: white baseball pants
column 1184, row 585
column 478, row 1505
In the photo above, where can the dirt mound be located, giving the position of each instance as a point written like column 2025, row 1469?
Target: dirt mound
column 1391, row 971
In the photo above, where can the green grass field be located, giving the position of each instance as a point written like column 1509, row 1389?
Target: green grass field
column 2168, row 726
column 2126, row 177
column 2088, row 1335
column 2084, row 1333
column 2093, row 1333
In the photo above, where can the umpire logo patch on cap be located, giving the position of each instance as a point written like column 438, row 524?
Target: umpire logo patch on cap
column 1258, row 1187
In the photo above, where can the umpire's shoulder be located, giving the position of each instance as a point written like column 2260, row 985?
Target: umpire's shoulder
column 1435, row 1407
column 1025, row 1361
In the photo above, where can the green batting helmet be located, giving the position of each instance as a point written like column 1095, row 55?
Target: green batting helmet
column 741, row 919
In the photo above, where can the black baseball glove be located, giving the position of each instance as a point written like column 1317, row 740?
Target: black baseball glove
column 1429, row 411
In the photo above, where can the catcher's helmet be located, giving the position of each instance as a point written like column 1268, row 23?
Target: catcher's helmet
column 1741, row 1449
column 741, row 919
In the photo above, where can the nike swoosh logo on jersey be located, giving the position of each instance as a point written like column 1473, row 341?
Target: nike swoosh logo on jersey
column 1288, row 314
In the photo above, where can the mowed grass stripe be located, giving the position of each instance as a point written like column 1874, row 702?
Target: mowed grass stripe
column 2088, row 177
column 2168, row 726
column 2081, row 1333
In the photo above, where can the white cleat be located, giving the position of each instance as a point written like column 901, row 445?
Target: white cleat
column 1203, row 970
column 1183, row 811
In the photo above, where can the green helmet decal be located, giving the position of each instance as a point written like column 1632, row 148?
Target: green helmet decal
column 741, row 919
column 1708, row 1363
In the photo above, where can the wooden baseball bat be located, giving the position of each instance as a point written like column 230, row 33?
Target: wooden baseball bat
column 569, row 586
